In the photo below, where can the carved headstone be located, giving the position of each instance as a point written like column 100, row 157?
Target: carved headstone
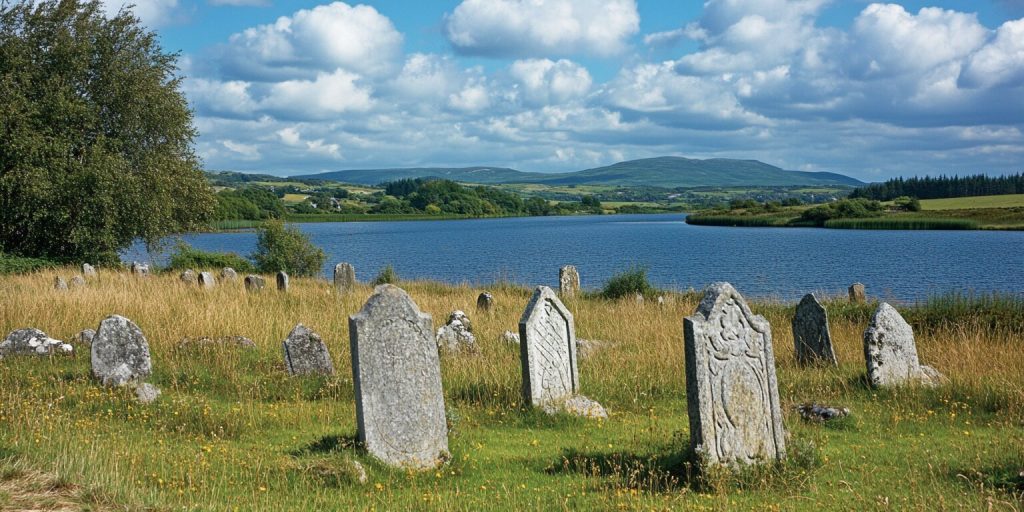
column 88, row 270
column 228, row 274
column 344, row 278
column 189, row 277
column 59, row 283
column 858, row 294
column 120, row 352
column 731, row 392
column 206, row 280
column 282, row 281
column 811, row 337
column 891, row 353
column 306, row 354
column 396, row 370
column 254, row 283
column 568, row 281
column 485, row 302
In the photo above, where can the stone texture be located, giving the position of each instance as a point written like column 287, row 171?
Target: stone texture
column 147, row 393
column 510, row 337
column 59, row 283
column 254, row 283
column 206, row 280
column 811, row 337
column 189, row 276
column 140, row 269
column 32, row 342
column 821, row 413
column 282, row 281
column 578, row 405
column 84, row 337
column 305, row 353
column 76, row 282
column 396, row 370
column 858, row 294
column 228, row 274
column 587, row 348
column 344, row 278
column 485, row 302
column 568, row 281
column 120, row 352
column 891, row 353
column 88, row 270
column 456, row 335
column 731, row 390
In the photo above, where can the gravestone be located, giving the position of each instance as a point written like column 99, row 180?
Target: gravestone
column 891, row 353
column 568, row 281
column 396, row 370
column 344, row 278
column 32, row 342
column 456, row 335
column 88, row 270
column 189, row 277
column 254, row 283
column 84, row 337
column 228, row 274
column 120, row 352
column 206, row 280
column 485, row 302
column 59, row 283
column 858, row 294
column 76, row 282
column 282, row 281
column 811, row 337
column 305, row 353
column 732, row 394
column 140, row 269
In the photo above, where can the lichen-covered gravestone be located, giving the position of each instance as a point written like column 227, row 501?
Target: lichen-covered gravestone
column 305, row 353
column 858, row 294
column 32, row 342
column 811, row 337
column 485, row 302
column 120, row 352
column 456, row 335
column 547, row 353
column 189, row 277
column 344, row 277
column 206, row 280
column 254, row 283
column 568, row 281
column 731, row 392
column 282, row 281
column 228, row 274
column 140, row 269
column 76, row 282
column 88, row 270
column 397, row 375
column 59, row 283
column 891, row 353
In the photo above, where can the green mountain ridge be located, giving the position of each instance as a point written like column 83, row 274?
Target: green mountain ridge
column 665, row 172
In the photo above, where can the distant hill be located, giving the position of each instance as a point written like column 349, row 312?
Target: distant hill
column 666, row 172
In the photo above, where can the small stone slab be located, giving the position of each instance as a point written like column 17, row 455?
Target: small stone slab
column 456, row 335
column 305, row 353
column 578, row 405
column 858, row 294
column 731, row 390
column 206, row 280
column 397, row 374
column 344, row 278
column 510, row 338
column 254, row 283
column 811, row 336
column 76, row 283
column 189, row 277
column 228, row 274
column 120, row 352
column 88, row 270
column 891, row 352
column 821, row 413
column 485, row 302
column 140, row 269
column 282, row 281
column 60, row 284
column 568, row 281
column 547, row 350
column 32, row 342
column 84, row 337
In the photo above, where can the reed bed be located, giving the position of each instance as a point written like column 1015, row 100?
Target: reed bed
column 905, row 223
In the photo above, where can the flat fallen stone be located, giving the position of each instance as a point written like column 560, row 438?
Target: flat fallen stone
column 32, row 342
column 254, row 283
column 344, row 278
column 811, row 337
column 120, row 352
column 568, row 281
column 890, row 352
column 206, row 280
column 305, row 353
column 282, row 281
column 577, row 405
column 821, row 413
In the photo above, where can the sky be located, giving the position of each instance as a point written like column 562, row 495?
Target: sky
column 871, row 90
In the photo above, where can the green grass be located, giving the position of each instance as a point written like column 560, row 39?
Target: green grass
column 977, row 202
column 903, row 223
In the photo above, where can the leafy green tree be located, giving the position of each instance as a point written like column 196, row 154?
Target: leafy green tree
column 96, row 138
column 283, row 247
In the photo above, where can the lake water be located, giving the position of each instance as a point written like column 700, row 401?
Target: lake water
column 782, row 263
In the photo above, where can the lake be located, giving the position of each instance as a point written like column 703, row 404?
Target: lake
column 781, row 263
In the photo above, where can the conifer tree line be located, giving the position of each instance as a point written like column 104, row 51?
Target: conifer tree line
column 938, row 187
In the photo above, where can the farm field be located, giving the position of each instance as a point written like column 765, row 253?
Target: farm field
column 977, row 202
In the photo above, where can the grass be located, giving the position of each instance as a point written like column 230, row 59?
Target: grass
column 964, row 218
column 231, row 430
column 973, row 203
column 905, row 223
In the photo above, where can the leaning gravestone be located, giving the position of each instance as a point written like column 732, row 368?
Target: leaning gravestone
column 731, row 393
column 811, row 337
column 485, row 302
column 891, row 353
column 228, row 274
column 88, row 270
column 189, row 277
column 59, row 283
column 254, row 283
column 344, row 277
column 568, row 281
column 858, row 294
column 397, row 375
column 547, row 353
column 206, row 280
column 282, row 281
column 120, row 352
column 305, row 353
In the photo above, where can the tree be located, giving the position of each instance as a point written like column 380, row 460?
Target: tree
column 96, row 138
column 280, row 247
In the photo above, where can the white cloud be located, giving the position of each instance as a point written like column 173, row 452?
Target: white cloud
column 544, row 81
column 542, row 28
column 1000, row 63
column 241, row 150
column 229, row 99
column 426, row 76
column 474, row 98
column 325, row 97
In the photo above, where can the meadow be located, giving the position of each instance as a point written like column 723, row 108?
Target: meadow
column 233, row 432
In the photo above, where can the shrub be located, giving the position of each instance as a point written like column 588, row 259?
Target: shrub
column 186, row 256
column 387, row 275
column 20, row 265
column 908, row 204
column 281, row 247
column 628, row 283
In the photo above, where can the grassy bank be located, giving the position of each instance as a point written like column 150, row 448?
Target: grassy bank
column 233, row 431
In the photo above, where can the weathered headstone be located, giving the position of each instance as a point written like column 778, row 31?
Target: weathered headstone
column 305, row 353
column 731, row 392
column 228, row 274
column 59, row 283
column 84, row 337
column 254, row 283
column 485, row 302
column 76, row 282
column 140, row 269
column 547, row 352
column 568, row 281
column 120, row 352
column 282, row 281
column 456, row 335
column 397, row 374
column 891, row 353
column 858, row 294
column 344, row 278
column 32, row 342
column 189, row 277
column 811, row 336
column 88, row 270
column 206, row 280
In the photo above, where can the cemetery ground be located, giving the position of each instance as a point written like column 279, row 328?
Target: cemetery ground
column 232, row 431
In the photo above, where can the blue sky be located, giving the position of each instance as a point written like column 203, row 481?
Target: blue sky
column 872, row 90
